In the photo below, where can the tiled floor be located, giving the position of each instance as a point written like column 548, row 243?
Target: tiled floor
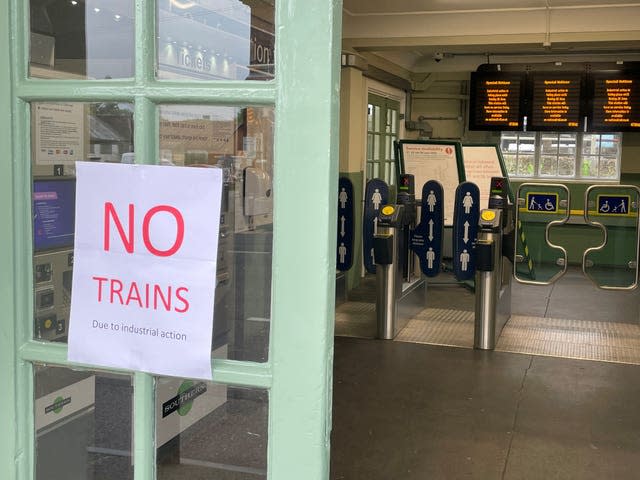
column 416, row 411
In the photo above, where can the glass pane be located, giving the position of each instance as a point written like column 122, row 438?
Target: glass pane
column 209, row 430
column 370, row 118
column 589, row 167
column 376, row 147
column 63, row 133
column 216, row 40
column 608, row 167
column 510, row 162
column 548, row 165
column 83, row 422
column 525, row 165
column 240, row 141
column 394, row 121
column 590, row 144
column 376, row 118
column 567, row 166
column 509, row 142
column 614, row 265
column 567, row 145
column 539, row 204
column 549, row 143
column 610, row 145
column 81, row 39
column 527, row 143
column 376, row 170
column 369, row 147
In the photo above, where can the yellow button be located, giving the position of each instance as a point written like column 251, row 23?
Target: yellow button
column 48, row 323
column 488, row 215
column 388, row 210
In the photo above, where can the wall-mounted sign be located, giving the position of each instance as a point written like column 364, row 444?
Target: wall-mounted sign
column 542, row 202
column 616, row 102
column 144, row 274
column 496, row 101
column 555, row 101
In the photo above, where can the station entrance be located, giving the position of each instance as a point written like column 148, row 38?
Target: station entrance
column 563, row 280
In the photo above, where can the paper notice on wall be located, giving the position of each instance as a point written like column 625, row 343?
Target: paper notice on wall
column 59, row 133
column 144, row 274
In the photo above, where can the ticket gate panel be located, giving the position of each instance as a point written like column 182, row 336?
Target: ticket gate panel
column 613, row 264
column 540, row 208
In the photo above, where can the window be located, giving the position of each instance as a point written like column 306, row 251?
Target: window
column 553, row 155
column 382, row 132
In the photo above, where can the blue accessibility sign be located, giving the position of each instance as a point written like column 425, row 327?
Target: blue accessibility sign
column 344, row 245
column 466, row 214
column 542, row 202
column 376, row 195
column 613, row 204
column 426, row 238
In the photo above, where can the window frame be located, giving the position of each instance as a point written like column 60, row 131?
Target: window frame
column 578, row 156
column 300, row 360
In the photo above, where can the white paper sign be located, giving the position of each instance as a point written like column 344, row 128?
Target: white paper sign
column 146, row 242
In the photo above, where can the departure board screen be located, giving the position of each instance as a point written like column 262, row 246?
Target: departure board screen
column 616, row 102
column 496, row 101
column 555, row 101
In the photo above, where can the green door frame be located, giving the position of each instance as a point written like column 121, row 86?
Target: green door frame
column 305, row 95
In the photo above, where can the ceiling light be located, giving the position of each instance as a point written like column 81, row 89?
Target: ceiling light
column 97, row 10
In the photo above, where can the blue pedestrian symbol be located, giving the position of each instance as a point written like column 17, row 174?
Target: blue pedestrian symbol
column 466, row 214
column 375, row 196
column 426, row 238
column 344, row 253
column 542, row 202
column 613, row 204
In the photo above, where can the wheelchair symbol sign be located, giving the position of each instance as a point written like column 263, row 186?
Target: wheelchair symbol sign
column 613, row 204
column 542, row 202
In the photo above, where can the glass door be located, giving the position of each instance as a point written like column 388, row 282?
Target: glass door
column 187, row 84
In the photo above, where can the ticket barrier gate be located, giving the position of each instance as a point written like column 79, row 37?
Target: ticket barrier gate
column 398, row 298
column 494, row 257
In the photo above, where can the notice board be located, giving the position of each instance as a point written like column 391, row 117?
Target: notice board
column 481, row 162
column 433, row 160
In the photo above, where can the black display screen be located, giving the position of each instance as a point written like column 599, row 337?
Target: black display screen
column 615, row 105
column 496, row 101
column 555, row 101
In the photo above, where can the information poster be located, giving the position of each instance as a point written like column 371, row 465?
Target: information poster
column 144, row 274
column 59, row 133
column 481, row 163
column 433, row 161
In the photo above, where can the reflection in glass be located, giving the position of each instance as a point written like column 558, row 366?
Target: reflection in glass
column 63, row 133
column 209, row 430
column 239, row 141
column 83, row 422
column 81, row 39
column 216, row 40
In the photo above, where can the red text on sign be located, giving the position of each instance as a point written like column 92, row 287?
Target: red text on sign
column 111, row 216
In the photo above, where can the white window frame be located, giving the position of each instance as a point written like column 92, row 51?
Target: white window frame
column 579, row 156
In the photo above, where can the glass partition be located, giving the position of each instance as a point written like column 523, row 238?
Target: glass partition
column 61, row 134
column 83, row 422
column 210, row 430
column 614, row 209
column 540, row 207
column 216, row 40
column 76, row 39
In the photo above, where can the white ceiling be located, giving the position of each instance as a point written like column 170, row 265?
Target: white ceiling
column 407, row 34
